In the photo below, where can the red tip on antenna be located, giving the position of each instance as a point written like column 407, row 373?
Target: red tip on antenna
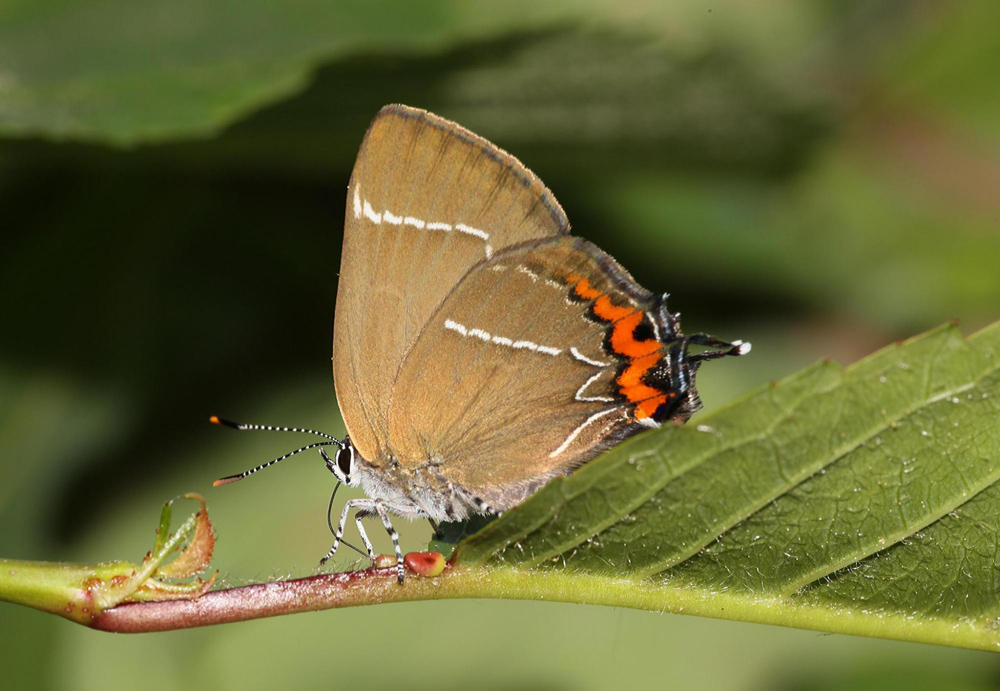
column 216, row 420
column 227, row 480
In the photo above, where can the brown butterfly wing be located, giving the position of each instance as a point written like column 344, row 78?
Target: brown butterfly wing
column 427, row 201
column 531, row 366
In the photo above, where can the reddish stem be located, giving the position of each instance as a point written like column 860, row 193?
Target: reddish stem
column 327, row 591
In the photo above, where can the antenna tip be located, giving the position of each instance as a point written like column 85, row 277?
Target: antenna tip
column 226, row 480
column 216, row 420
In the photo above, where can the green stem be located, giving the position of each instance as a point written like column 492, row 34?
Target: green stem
column 56, row 588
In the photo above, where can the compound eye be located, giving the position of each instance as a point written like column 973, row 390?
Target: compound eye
column 345, row 459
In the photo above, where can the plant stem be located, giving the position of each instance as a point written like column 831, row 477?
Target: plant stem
column 376, row 586
column 50, row 587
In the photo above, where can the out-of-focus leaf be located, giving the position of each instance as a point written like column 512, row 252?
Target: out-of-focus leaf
column 128, row 72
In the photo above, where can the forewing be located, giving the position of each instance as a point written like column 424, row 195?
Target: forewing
column 514, row 379
column 427, row 201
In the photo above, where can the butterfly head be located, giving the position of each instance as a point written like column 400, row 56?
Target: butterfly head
column 345, row 464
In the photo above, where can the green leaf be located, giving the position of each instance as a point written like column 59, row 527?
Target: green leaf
column 129, row 71
column 861, row 500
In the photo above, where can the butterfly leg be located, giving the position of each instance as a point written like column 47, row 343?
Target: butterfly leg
column 366, row 505
column 384, row 515
column 358, row 517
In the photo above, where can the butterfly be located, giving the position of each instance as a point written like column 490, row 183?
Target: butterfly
column 479, row 349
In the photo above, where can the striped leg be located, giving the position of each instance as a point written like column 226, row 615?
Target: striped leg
column 395, row 539
column 360, row 516
column 366, row 505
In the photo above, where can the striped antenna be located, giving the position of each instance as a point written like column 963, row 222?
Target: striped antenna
column 247, row 473
column 216, row 420
column 333, row 441
column 736, row 348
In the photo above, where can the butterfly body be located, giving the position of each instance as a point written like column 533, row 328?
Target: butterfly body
column 416, row 492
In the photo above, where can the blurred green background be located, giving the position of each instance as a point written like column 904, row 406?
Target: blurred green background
column 819, row 178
